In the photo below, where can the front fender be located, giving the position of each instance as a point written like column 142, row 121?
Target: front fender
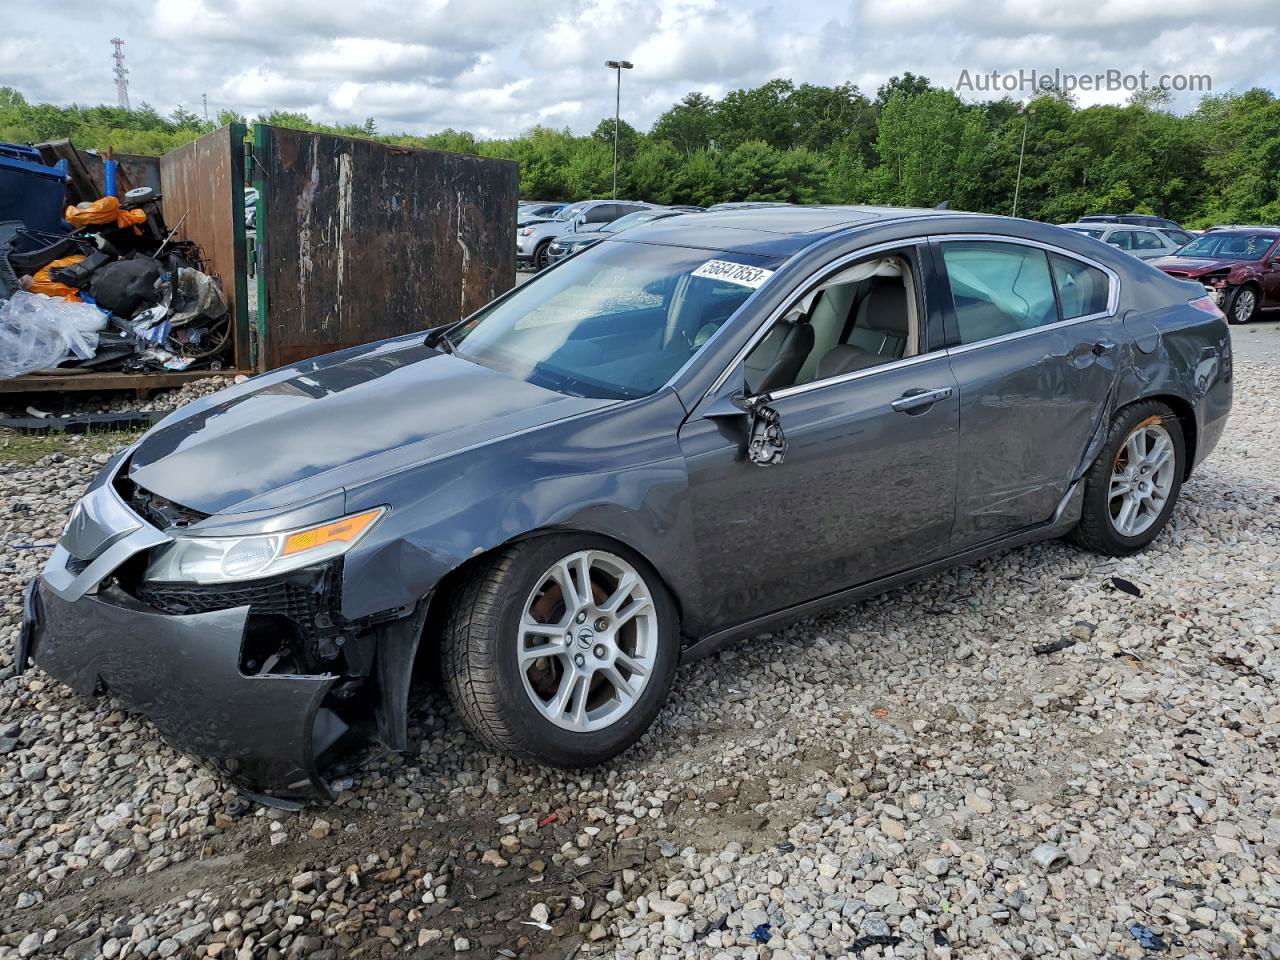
column 617, row 472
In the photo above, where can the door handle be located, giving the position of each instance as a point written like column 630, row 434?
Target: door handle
column 1103, row 347
column 918, row 399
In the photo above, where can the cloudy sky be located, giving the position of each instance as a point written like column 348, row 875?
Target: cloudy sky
column 497, row 67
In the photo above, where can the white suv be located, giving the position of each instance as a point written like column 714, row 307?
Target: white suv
column 1145, row 243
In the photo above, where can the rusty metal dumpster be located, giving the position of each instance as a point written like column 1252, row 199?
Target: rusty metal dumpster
column 358, row 240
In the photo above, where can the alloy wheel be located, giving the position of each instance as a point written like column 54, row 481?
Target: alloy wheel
column 1141, row 479
column 588, row 641
column 1246, row 303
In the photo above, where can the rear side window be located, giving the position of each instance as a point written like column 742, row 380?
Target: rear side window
column 1122, row 239
column 1146, row 240
column 1082, row 290
column 998, row 288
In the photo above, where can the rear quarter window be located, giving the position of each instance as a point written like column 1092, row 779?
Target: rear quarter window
column 1082, row 290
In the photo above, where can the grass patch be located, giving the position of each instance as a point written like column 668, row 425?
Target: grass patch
column 18, row 447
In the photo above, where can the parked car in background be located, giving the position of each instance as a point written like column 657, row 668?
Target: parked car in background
column 572, row 243
column 1133, row 219
column 1239, row 267
column 1145, row 243
column 534, row 239
column 688, row 434
column 251, row 208
column 1239, row 226
column 745, row 205
column 527, row 213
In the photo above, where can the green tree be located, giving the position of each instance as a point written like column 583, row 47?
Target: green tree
column 761, row 113
column 689, row 125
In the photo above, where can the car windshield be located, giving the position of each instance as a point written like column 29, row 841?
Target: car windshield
column 1228, row 246
column 569, row 212
column 616, row 321
column 632, row 220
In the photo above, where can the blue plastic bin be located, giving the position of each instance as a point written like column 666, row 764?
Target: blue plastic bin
column 32, row 193
column 21, row 151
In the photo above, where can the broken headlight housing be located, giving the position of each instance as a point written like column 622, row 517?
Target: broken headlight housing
column 231, row 559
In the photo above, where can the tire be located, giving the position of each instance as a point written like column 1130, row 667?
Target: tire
column 1103, row 527
column 1242, row 305
column 510, row 708
column 540, row 261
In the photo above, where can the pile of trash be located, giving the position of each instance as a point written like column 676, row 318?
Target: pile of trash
column 111, row 288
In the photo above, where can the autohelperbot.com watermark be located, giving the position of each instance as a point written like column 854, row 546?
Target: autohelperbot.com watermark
column 1033, row 81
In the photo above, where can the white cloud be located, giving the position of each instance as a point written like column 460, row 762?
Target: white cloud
column 497, row 67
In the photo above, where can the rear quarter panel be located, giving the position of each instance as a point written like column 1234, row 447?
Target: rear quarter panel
column 1179, row 351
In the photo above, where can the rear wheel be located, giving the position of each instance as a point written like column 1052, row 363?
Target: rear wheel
column 1242, row 305
column 561, row 650
column 1131, row 489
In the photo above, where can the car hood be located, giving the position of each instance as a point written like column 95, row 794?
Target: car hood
column 352, row 420
column 1193, row 267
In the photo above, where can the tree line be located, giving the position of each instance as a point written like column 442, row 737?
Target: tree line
column 912, row 144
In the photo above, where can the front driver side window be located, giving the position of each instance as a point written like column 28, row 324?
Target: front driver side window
column 861, row 317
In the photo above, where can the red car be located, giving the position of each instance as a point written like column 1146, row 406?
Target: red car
column 1239, row 267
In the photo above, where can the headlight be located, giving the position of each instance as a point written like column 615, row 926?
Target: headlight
column 227, row 559
column 527, row 232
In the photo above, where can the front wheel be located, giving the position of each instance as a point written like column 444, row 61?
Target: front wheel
column 541, row 256
column 561, row 649
column 1242, row 305
column 1131, row 489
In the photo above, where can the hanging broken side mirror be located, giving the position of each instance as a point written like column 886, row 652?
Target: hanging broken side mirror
column 766, row 443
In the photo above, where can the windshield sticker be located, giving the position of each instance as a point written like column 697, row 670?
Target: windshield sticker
column 739, row 273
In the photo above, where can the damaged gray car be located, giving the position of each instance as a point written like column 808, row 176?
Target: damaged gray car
column 690, row 432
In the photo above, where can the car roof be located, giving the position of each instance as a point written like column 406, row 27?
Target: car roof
column 771, row 231
column 1272, row 232
column 1101, row 225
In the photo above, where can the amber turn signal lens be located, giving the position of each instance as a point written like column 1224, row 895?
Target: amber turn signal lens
column 339, row 531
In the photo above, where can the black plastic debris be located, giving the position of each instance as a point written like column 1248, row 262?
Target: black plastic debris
column 786, row 846
column 761, row 933
column 84, row 422
column 1054, row 647
column 712, row 927
column 1147, row 938
column 879, row 940
column 940, row 938
column 1125, row 586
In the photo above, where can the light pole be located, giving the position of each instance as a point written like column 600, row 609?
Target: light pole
column 1027, row 111
column 619, row 66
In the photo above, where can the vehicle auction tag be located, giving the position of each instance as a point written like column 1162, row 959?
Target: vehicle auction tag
column 739, row 273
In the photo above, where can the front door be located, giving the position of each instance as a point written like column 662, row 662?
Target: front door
column 1035, row 348
column 866, row 486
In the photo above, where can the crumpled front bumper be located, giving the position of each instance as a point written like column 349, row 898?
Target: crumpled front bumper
column 183, row 672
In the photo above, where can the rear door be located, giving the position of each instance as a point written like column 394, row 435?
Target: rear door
column 1034, row 343
column 1148, row 244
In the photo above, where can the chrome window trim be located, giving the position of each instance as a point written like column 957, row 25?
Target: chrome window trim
column 800, row 388
column 1113, row 293
column 800, row 292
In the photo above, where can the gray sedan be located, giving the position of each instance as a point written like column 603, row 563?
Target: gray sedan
column 687, row 434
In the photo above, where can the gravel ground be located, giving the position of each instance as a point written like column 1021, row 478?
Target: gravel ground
column 875, row 782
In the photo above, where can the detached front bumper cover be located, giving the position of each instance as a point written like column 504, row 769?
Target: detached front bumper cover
column 183, row 672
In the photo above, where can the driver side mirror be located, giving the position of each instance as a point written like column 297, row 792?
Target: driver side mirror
column 766, row 444
column 579, row 221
